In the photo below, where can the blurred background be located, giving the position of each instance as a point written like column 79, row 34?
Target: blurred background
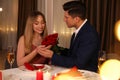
column 102, row 14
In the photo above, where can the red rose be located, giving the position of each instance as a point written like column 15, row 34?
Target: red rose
column 50, row 39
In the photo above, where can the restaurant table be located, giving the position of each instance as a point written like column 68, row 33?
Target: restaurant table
column 19, row 74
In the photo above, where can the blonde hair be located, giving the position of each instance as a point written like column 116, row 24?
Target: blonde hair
column 28, row 33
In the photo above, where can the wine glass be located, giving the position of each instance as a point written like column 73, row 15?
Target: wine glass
column 10, row 56
column 101, row 58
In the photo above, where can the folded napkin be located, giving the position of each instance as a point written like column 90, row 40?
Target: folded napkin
column 50, row 39
column 33, row 67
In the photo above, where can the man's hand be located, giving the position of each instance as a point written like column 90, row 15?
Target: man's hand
column 49, row 46
column 44, row 51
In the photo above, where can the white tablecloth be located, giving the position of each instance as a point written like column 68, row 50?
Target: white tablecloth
column 17, row 74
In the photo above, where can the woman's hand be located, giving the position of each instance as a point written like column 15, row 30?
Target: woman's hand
column 44, row 51
column 49, row 46
column 43, row 46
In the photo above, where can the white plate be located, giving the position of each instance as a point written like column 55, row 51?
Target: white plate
column 86, row 75
column 46, row 67
column 89, row 75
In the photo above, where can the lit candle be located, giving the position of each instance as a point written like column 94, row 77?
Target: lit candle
column 0, row 75
column 39, row 75
column 53, row 77
column 47, row 76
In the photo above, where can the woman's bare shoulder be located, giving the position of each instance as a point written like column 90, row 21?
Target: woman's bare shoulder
column 21, row 38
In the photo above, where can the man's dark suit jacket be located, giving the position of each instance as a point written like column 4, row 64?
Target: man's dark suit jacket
column 83, row 51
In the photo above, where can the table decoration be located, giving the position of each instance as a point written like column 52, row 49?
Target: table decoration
column 28, row 66
column 33, row 66
column 18, row 74
column 39, row 75
column 47, row 75
column 76, row 74
column 0, row 75
column 71, row 74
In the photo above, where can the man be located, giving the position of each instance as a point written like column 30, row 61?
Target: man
column 84, row 45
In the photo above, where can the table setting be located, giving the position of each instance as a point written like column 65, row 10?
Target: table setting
column 109, row 70
column 46, row 72
column 51, row 72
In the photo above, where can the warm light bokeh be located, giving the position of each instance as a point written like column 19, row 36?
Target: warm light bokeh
column 117, row 30
column 110, row 70
column 1, row 9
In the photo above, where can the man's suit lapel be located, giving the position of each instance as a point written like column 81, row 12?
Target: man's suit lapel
column 74, row 40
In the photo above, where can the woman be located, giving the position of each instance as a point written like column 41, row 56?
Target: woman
column 35, row 31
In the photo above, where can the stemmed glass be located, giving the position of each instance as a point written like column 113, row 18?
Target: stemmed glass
column 101, row 58
column 10, row 56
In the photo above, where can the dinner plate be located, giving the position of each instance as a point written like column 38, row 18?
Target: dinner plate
column 89, row 75
column 45, row 68
column 86, row 75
